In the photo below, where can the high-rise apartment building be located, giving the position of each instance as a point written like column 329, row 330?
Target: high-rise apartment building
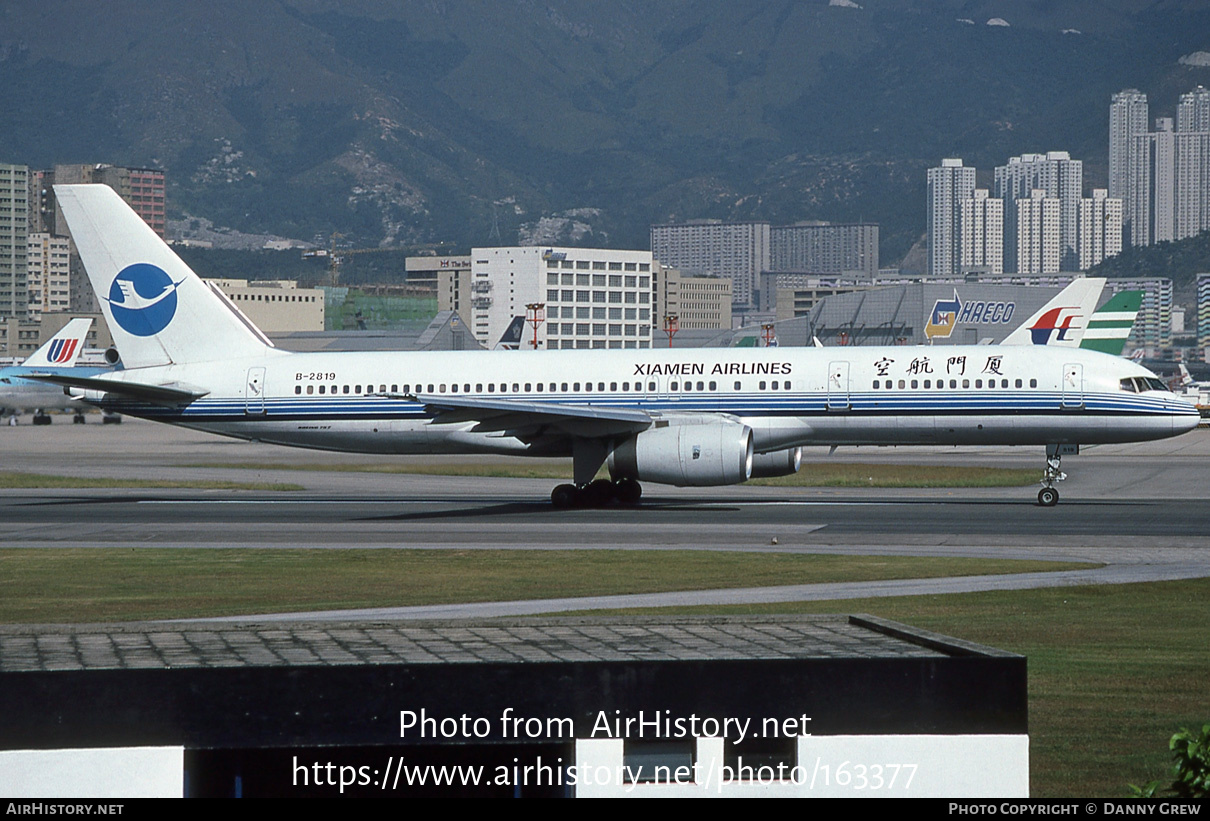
column 1128, row 117
column 1038, row 232
column 983, row 233
column 141, row 188
column 1203, row 314
column 1171, row 174
column 738, row 251
column 1153, row 185
column 41, row 202
column 825, row 248
column 948, row 185
column 1100, row 228
column 147, row 196
column 1166, row 185
column 14, row 231
column 48, row 274
column 1193, row 111
column 1192, row 158
column 1191, row 183
column 1062, row 178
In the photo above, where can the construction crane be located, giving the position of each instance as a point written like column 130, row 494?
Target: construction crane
column 336, row 256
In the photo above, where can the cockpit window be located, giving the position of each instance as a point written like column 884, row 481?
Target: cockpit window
column 1141, row 384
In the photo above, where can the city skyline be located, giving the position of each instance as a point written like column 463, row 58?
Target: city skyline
column 374, row 141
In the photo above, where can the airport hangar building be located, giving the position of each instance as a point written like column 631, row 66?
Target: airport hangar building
column 917, row 313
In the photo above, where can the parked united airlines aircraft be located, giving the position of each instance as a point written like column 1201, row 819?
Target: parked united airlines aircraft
column 58, row 355
column 681, row 417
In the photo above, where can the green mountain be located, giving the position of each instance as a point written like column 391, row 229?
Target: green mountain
column 1181, row 261
column 572, row 120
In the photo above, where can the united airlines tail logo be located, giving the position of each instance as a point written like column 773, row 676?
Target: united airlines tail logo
column 61, row 350
column 1056, row 321
column 944, row 318
column 143, row 299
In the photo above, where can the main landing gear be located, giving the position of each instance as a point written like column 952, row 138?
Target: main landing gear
column 1048, row 496
column 587, row 456
column 599, row 493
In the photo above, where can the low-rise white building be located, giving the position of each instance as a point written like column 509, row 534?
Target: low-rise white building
column 590, row 297
column 277, row 306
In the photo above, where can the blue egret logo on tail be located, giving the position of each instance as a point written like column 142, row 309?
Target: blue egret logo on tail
column 143, row 299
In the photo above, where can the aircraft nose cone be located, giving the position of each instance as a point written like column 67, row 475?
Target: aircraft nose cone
column 1186, row 421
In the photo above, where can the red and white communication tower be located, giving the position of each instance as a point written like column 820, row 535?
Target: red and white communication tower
column 535, row 314
column 672, row 324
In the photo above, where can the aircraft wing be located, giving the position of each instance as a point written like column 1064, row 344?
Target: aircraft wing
column 178, row 394
column 518, row 416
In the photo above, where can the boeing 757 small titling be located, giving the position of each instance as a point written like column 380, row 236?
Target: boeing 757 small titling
column 681, row 417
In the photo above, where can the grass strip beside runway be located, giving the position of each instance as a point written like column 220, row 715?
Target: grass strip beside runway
column 823, row 474
column 9, row 480
column 74, row 585
column 1114, row 670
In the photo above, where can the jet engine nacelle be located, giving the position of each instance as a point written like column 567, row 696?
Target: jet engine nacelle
column 85, row 394
column 776, row 463
column 687, row 454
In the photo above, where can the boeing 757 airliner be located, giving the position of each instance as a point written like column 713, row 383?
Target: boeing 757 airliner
column 680, row 417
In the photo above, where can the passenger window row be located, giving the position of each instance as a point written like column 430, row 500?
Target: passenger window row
column 530, row 387
column 915, row 384
column 1132, row 384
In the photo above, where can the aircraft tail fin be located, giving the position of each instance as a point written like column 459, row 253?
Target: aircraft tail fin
column 159, row 311
column 1110, row 327
column 63, row 349
column 1062, row 321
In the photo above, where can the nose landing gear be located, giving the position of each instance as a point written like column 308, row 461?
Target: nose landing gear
column 1048, row 496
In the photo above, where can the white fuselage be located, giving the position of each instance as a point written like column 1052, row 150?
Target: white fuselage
column 364, row 402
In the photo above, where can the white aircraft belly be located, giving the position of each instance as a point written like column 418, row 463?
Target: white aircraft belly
column 403, row 437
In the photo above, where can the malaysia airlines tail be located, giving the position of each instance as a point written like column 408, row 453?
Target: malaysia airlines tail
column 159, row 311
column 1062, row 321
column 63, row 349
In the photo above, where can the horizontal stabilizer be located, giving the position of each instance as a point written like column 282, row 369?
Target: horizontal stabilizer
column 176, row 394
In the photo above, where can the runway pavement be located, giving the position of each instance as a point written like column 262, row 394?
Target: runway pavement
column 1140, row 509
